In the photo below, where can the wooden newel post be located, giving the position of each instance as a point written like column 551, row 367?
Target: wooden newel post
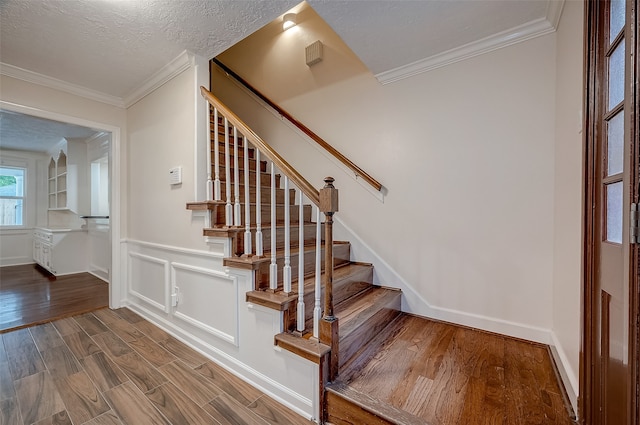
column 329, row 323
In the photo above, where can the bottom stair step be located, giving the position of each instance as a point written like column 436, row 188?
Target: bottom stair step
column 363, row 317
column 347, row 406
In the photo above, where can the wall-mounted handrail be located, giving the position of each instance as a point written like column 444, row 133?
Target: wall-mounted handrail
column 310, row 192
column 359, row 172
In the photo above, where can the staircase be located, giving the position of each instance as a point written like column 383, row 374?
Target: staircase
column 362, row 309
column 377, row 365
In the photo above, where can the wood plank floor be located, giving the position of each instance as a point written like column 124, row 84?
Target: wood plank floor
column 446, row 375
column 112, row 367
column 29, row 295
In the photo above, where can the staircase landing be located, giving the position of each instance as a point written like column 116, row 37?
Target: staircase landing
column 442, row 374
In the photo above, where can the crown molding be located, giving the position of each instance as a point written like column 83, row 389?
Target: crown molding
column 183, row 61
column 524, row 32
column 54, row 83
column 554, row 11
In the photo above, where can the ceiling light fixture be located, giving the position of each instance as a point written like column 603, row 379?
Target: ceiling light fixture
column 289, row 20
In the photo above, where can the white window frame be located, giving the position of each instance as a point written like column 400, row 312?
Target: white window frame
column 25, row 174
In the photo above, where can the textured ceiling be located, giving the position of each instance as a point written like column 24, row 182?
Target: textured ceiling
column 390, row 34
column 113, row 46
column 25, row 132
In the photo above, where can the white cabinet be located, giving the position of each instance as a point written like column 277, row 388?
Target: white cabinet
column 68, row 175
column 58, row 182
column 60, row 251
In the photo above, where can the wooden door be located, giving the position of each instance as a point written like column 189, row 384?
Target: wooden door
column 611, row 310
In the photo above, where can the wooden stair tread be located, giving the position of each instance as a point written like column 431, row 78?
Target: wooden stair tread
column 360, row 358
column 305, row 347
column 222, row 232
column 357, row 310
column 204, row 205
column 360, row 406
column 264, row 227
column 211, row 205
column 280, row 300
column 276, row 300
column 362, row 318
column 245, row 262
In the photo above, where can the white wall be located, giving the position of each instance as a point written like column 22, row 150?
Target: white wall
column 466, row 155
column 567, row 247
column 16, row 246
column 165, row 252
column 161, row 136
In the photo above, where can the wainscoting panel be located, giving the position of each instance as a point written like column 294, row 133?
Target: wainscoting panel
column 207, row 299
column 191, row 295
column 16, row 247
column 149, row 279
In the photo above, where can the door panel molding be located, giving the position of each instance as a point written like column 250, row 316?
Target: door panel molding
column 609, row 317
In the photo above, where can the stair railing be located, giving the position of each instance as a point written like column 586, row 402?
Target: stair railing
column 325, row 200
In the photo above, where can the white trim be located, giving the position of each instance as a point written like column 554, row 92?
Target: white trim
column 554, row 11
column 182, row 62
column 93, row 267
column 98, row 276
column 413, row 302
column 16, row 230
column 54, row 83
column 567, row 374
column 224, row 360
column 232, row 339
column 150, row 259
column 175, row 249
column 202, row 77
column 16, row 261
column 524, row 32
column 116, row 292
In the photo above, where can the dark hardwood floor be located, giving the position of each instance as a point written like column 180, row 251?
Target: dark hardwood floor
column 30, row 295
column 448, row 375
column 112, row 367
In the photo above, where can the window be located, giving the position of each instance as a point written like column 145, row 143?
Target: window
column 12, row 196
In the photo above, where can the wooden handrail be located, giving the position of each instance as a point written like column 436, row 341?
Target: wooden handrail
column 359, row 172
column 307, row 188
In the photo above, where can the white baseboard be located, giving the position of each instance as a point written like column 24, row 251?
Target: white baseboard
column 15, row 261
column 414, row 303
column 567, row 374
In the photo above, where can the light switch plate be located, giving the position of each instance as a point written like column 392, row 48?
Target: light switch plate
column 175, row 175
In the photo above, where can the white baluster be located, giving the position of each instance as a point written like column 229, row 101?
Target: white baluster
column 210, row 194
column 286, row 270
column 259, row 247
column 300, row 326
column 273, row 267
column 217, row 195
column 227, row 173
column 317, row 310
column 247, row 201
column 237, row 221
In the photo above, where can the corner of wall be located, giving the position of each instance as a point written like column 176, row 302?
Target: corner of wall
column 568, row 376
column 414, row 303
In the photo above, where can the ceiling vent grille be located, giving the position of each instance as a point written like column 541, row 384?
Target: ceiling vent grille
column 314, row 53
